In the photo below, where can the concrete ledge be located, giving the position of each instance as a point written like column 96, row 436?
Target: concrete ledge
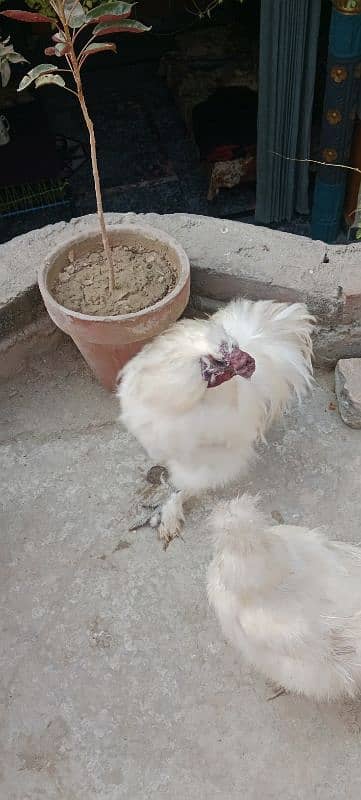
column 40, row 337
column 228, row 259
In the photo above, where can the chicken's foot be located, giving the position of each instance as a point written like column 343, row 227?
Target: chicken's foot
column 279, row 691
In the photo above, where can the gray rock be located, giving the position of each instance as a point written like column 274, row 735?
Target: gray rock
column 348, row 390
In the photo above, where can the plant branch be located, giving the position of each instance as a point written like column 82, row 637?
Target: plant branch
column 79, row 31
column 92, row 38
column 71, row 91
column 75, row 66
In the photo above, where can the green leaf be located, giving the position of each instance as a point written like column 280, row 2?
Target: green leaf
column 59, row 36
column 128, row 26
column 99, row 47
column 74, row 13
column 57, row 79
column 107, row 11
column 8, row 56
column 61, row 49
column 358, row 234
column 16, row 58
column 5, row 73
column 34, row 74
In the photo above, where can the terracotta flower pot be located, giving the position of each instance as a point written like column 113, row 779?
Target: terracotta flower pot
column 108, row 342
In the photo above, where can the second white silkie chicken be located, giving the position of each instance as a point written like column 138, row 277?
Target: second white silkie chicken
column 200, row 396
column 289, row 600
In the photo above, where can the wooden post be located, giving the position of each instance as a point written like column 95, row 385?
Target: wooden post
column 341, row 96
column 354, row 178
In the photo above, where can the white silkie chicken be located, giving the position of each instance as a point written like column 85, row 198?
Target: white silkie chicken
column 200, row 395
column 289, row 599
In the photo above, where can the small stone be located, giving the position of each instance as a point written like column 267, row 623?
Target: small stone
column 348, row 390
column 91, row 295
column 278, row 517
column 63, row 277
column 122, row 545
column 120, row 294
column 156, row 473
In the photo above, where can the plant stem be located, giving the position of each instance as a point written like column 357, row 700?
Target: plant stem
column 75, row 67
column 98, row 195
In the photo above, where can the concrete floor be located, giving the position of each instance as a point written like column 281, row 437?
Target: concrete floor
column 115, row 678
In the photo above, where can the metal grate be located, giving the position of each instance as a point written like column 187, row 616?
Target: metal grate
column 32, row 197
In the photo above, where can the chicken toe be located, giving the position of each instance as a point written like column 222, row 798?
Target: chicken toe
column 278, row 691
column 172, row 519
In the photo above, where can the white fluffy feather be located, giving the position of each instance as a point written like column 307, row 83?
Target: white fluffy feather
column 289, row 599
column 205, row 437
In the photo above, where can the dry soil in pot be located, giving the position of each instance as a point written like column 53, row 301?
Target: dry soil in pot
column 143, row 276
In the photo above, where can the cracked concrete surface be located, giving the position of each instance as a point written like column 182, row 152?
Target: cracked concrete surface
column 116, row 682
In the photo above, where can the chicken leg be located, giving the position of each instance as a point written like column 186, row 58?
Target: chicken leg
column 160, row 511
column 169, row 518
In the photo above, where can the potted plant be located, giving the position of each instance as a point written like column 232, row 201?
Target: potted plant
column 8, row 56
column 110, row 289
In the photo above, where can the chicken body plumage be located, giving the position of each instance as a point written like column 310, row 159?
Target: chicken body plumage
column 289, row 600
column 205, row 436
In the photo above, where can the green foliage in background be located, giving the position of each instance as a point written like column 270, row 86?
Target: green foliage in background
column 8, row 56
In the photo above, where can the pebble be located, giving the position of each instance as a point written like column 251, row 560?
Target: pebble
column 278, row 517
column 348, row 390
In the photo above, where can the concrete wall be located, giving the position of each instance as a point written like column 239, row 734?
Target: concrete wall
column 228, row 259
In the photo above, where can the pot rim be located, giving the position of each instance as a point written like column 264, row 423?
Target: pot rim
column 147, row 231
